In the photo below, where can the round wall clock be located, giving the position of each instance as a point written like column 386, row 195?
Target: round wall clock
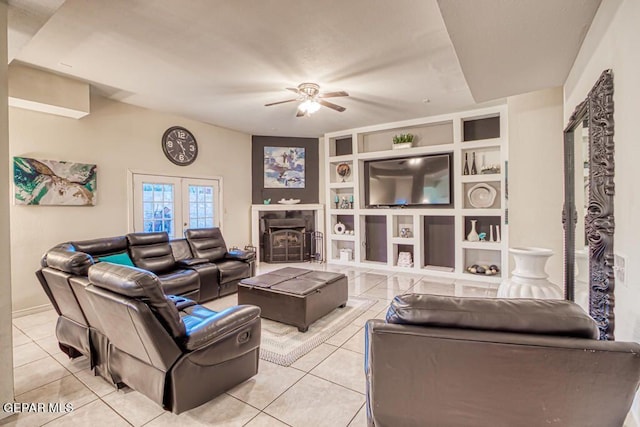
column 180, row 146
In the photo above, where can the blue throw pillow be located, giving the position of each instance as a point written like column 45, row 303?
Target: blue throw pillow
column 121, row 258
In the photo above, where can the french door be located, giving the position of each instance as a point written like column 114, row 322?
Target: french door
column 174, row 204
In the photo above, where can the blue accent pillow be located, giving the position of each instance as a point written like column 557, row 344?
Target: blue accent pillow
column 121, row 258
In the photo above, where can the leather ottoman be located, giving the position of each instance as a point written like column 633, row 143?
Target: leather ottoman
column 295, row 296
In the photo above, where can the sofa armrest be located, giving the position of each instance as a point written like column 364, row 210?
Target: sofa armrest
column 208, row 329
column 189, row 262
column 181, row 302
column 240, row 255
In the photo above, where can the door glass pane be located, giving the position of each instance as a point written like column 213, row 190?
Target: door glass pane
column 201, row 206
column 158, row 211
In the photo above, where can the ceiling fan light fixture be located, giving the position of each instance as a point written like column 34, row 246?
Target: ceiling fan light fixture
column 309, row 106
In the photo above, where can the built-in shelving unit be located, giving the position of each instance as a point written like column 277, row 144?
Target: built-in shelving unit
column 435, row 237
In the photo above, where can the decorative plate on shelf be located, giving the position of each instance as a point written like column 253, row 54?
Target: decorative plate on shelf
column 343, row 170
column 288, row 201
column 481, row 195
column 339, row 228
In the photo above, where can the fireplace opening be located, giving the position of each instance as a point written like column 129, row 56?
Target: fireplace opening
column 286, row 240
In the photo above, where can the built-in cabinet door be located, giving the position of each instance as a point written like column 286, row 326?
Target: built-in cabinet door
column 376, row 234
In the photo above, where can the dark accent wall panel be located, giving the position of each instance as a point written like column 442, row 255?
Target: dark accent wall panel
column 309, row 194
column 376, row 238
column 344, row 147
column 439, row 241
column 481, row 129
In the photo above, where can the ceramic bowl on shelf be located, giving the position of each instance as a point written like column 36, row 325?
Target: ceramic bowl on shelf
column 481, row 195
column 288, row 201
column 483, row 270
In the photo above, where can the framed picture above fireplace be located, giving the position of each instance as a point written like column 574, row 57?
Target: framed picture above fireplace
column 284, row 167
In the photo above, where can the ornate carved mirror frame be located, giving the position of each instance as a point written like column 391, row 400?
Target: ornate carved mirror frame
column 597, row 113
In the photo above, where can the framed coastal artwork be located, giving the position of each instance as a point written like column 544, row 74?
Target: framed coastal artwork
column 50, row 182
column 284, row 167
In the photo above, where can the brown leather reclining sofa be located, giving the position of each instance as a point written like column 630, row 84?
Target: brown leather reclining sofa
column 447, row 361
column 203, row 273
column 175, row 352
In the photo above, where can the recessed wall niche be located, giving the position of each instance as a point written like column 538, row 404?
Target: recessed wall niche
column 308, row 194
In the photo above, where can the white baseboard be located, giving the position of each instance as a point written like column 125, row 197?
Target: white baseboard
column 31, row 310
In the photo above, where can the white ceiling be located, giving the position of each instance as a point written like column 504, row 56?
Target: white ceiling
column 220, row 61
column 508, row 47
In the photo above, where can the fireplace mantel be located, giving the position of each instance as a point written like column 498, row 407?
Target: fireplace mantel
column 257, row 209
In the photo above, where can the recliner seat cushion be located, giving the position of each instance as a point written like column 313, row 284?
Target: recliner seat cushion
column 528, row 316
column 232, row 270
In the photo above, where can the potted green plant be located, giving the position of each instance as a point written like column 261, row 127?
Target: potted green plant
column 404, row 140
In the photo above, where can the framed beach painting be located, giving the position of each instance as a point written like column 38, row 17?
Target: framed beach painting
column 50, row 182
column 284, row 167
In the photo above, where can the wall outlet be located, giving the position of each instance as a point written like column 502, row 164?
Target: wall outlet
column 620, row 268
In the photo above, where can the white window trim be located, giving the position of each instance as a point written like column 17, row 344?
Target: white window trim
column 130, row 190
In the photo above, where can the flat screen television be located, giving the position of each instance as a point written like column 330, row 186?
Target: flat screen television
column 408, row 181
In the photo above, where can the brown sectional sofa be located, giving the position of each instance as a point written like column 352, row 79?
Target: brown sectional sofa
column 86, row 324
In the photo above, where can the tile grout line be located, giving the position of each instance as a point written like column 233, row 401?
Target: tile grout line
column 357, row 412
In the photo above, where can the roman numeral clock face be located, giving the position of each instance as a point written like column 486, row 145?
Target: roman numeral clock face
column 180, row 146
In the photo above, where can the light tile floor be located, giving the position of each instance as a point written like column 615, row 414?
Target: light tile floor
column 323, row 388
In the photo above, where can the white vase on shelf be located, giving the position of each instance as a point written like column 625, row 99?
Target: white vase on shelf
column 473, row 234
column 529, row 278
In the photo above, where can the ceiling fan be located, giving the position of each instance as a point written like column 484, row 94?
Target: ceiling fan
column 311, row 99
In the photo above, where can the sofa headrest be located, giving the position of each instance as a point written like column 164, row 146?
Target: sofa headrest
column 528, row 316
column 68, row 260
column 128, row 281
column 148, row 238
column 203, row 233
column 106, row 246
column 206, row 243
column 63, row 246
column 138, row 284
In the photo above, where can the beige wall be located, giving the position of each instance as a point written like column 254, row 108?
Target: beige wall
column 40, row 90
column 612, row 42
column 536, row 175
column 117, row 137
column 6, row 350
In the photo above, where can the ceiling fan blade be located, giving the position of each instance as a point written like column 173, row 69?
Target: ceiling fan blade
column 279, row 102
column 333, row 94
column 300, row 114
column 331, row 105
column 292, row 89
